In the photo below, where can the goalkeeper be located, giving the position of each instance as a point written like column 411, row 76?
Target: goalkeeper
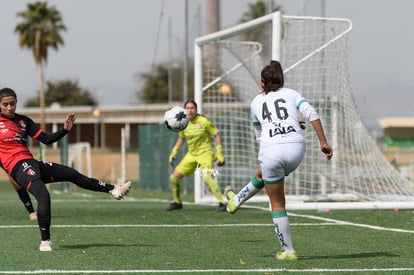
column 200, row 154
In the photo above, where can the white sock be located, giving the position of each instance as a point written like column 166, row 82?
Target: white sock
column 282, row 229
column 248, row 191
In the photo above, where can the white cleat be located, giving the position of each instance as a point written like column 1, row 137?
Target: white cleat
column 45, row 246
column 120, row 190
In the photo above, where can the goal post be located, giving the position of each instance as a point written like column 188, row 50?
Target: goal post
column 313, row 54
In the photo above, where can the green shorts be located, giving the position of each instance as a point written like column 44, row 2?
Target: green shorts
column 189, row 163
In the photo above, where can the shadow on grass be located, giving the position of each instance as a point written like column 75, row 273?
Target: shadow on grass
column 199, row 209
column 85, row 246
column 350, row 256
column 254, row 241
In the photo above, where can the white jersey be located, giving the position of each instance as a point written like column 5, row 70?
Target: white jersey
column 282, row 141
column 275, row 116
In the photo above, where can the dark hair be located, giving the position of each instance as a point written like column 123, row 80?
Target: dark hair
column 190, row 101
column 278, row 67
column 7, row 92
column 272, row 76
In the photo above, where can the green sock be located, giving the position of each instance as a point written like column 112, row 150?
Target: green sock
column 175, row 185
column 214, row 187
column 248, row 191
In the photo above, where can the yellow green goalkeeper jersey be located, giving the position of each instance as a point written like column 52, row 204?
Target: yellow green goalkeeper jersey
column 198, row 135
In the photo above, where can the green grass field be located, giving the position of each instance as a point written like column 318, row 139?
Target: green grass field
column 94, row 234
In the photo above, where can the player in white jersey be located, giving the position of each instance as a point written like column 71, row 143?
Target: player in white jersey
column 282, row 144
column 256, row 184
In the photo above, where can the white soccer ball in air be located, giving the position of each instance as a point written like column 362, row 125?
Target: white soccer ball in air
column 176, row 118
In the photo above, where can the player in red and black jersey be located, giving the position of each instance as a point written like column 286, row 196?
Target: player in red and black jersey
column 18, row 162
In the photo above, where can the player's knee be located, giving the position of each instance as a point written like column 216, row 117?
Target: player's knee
column 174, row 179
column 258, row 182
column 74, row 176
column 40, row 193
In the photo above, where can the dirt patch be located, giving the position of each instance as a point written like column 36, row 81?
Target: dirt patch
column 104, row 166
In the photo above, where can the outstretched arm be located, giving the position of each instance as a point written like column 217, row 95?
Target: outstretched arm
column 53, row 137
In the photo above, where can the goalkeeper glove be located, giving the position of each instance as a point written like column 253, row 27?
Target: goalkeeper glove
column 173, row 155
column 219, row 155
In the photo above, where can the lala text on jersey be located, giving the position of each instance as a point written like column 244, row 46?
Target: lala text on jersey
column 280, row 130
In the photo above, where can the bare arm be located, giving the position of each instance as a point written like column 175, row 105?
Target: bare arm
column 217, row 138
column 179, row 143
column 176, row 148
column 16, row 186
column 325, row 147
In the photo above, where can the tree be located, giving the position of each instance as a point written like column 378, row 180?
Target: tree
column 39, row 30
column 260, row 34
column 259, row 9
column 66, row 93
column 155, row 83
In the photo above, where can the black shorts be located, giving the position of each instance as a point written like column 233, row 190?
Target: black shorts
column 30, row 170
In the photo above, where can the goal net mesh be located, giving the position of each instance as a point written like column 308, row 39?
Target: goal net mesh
column 313, row 54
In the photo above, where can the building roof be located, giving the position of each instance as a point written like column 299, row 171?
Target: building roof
column 139, row 113
column 396, row 122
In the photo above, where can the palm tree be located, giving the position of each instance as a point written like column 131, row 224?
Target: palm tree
column 260, row 8
column 39, row 30
column 260, row 34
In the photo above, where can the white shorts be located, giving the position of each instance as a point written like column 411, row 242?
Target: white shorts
column 279, row 160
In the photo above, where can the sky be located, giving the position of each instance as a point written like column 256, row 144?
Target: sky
column 109, row 42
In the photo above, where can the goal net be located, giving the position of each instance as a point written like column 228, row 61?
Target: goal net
column 313, row 53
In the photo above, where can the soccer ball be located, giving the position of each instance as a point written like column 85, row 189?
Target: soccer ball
column 176, row 118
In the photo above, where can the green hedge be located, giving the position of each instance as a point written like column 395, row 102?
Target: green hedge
column 154, row 147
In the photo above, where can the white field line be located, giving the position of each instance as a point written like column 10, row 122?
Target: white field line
column 160, row 225
column 339, row 222
column 226, row 271
column 327, row 221
column 208, row 225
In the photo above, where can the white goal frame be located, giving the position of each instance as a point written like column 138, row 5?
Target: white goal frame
column 359, row 176
column 78, row 153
